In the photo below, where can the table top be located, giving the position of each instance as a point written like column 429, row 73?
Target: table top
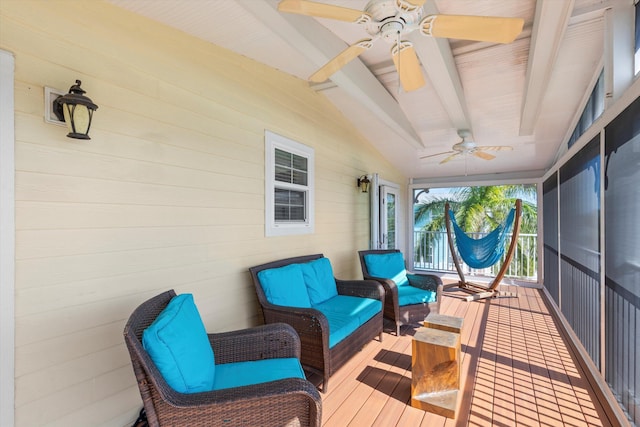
column 437, row 337
column 446, row 323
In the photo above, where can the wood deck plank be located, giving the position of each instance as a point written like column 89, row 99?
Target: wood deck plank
column 399, row 363
column 373, row 378
column 343, row 382
column 516, row 370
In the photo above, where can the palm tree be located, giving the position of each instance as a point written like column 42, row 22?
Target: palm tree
column 477, row 210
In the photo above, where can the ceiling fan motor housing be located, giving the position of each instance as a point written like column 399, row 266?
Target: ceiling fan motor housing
column 389, row 20
column 465, row 146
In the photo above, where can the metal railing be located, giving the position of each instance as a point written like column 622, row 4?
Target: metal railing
column 622, row 328
column 431, row 252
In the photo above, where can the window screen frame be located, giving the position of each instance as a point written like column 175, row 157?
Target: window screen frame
column 273, row 226
column 636, row 47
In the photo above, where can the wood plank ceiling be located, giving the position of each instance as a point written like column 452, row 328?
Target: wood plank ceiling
column 524, row 94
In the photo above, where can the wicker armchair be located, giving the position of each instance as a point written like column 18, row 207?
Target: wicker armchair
column 297, row 400
column 313, row 327
column 407, row 314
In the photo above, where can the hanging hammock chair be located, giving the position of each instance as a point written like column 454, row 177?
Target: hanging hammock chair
column 483, row 252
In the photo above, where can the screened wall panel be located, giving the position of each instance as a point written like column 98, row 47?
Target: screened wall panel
column 622, row 261
column 550, row 234
column 580, row 245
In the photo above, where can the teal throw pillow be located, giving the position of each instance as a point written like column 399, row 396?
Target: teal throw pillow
column 387, row 266
column 318, row 277
column 285, row 286
column 178, row 344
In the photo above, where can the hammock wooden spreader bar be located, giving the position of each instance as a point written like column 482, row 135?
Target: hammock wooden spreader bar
column 479, row 291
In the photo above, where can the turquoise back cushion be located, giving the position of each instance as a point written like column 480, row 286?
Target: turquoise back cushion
column 387, row 266
column 319, row 280
column 178, row 344
column 285, row 286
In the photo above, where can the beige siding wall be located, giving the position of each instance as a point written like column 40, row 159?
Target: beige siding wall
column 169, row 193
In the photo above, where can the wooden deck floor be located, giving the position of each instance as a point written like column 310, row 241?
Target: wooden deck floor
column 516, row 371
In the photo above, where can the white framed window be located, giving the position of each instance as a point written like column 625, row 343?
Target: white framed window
column 289, row 186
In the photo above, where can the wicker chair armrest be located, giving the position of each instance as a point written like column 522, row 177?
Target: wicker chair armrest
column 388, row 284
column 275, row 340
column 256, row 397
column 361, row 288
column 428, row 282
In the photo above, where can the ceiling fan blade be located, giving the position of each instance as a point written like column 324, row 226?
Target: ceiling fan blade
column 343, row 58
column 408, row 66
column 309, row 8
column 438, row 154
column 495, row 148
column 484, row 155
column 449, row 158
column 479, row 28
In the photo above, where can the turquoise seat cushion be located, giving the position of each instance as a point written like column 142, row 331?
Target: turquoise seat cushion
column 178, row 344
column 346, row 313
column 409, row 295
column 285, row 286
column 387, row 266
column 238, row 374
column 318, row 277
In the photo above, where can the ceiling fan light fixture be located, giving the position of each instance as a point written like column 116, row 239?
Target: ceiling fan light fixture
column 389, row 30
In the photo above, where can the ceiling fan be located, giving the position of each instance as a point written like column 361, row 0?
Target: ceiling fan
column 465, row 147
column 391, row 20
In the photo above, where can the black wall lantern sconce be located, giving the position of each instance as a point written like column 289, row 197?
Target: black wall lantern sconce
column 76, row 110
column 363, row 183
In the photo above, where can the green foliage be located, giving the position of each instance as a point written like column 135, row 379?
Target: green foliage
column 480, row 209
column 477, row 209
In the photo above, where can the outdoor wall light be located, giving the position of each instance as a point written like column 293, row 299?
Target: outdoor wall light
column 76, row 110
column 363, row 183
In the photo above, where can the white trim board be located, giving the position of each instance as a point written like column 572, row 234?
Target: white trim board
column 7, row 241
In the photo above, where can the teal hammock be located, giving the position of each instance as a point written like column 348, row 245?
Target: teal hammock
column 487, row 250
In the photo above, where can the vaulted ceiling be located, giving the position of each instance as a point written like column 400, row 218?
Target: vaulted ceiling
column 526, row 94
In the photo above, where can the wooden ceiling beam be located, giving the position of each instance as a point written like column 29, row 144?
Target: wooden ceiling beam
column 549, row 25
column 438, row 62
column 320, row 45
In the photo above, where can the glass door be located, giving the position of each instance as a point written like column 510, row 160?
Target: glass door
column 388, row 217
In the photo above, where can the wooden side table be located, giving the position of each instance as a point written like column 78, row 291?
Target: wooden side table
column 444, row 322
column 435, row 371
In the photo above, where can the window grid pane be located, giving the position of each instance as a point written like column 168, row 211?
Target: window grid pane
column 290, row 205
column 290, row 168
